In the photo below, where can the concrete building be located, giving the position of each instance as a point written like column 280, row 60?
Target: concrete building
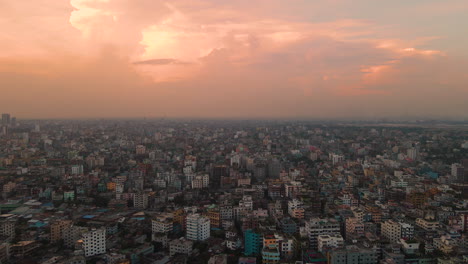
column 253, row 242
column 58, row 228
column 288, row 225
column 393, row 230
column 352, row 255
column 458, row 173
column 218, row 259
column 270, row 255
column 72, row 234
column 94, row 242
column 140, row 150
column 7, row 225
column 6, row 119
column 427, row 225
column 296, row 209
column 412, row 153
column 274, row 168
column 162, row 223
column 409, row 247
column 319, row 226
column 77, row 169
column 201, row 181
column 140, row 200
column 180, row 246
column 198, row 227
column 327, row 242
column 354, row 227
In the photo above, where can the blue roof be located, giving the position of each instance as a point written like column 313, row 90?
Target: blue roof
column 88, row 216
column 38, row 224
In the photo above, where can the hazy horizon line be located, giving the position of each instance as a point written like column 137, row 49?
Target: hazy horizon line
column 241, row 118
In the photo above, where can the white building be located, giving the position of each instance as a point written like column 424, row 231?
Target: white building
column 329, row 241
column 198, row 227
column 162, row 223
column 77, row 169
column 336, row 158
column 94, row 242
column 400, row 183
column 411, row 247
column 246, row 202
column 119, row 188
column 412, row 153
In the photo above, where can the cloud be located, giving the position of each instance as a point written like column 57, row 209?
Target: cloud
column 209, row 58
column 160, row 62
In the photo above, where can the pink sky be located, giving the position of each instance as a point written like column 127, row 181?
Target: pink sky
column 220, row 58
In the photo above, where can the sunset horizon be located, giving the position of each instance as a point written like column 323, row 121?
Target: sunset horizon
column 214, row 59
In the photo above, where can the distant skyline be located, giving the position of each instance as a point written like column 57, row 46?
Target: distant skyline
column 298, row 59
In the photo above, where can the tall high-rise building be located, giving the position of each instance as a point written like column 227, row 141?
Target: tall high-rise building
column 140, row 200
column 58, row 228
column 458, row 172
column 274, row 168
column 260, row 171
column 94, row 242
column 198, row 227
column 253, row 242
column 6, row 119
column 218, row 171
column 7, row 225
column 412, row 153
column 72, row 234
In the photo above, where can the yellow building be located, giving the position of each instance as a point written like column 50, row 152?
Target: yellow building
column 57, row 228
column 111, row 186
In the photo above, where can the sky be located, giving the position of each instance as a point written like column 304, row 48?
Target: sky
column 234, row 59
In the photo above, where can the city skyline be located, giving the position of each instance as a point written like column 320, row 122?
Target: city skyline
column 222, row 59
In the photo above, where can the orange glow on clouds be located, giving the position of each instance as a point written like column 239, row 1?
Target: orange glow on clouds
column 219, row 59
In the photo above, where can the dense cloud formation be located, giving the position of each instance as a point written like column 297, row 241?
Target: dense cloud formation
column 206, row 58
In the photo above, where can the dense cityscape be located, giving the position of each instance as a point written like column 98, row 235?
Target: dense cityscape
column 211, row 191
